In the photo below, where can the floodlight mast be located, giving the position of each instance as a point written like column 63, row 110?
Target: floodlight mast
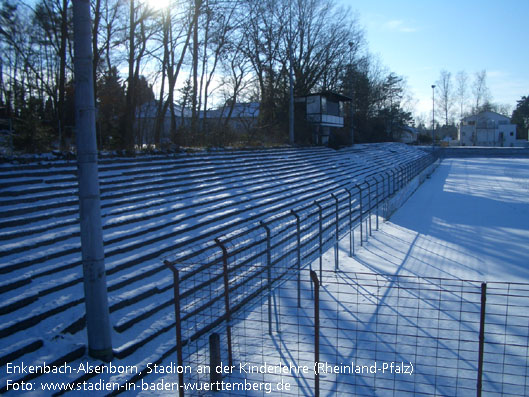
column 433, row 117
column 351, row 131
column 291, row 137
column 93, row 256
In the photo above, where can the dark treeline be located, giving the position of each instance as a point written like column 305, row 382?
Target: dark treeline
column 186, row 58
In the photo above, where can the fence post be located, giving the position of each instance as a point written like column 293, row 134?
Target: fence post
column 481, row 338
column 298, row 238
column 402, row 176
column 378, row 198
column 226, row 297
column 269, row 275
column 361, row 211
column 393, row 171
column 214, row 361
column 320, row 212
column 385, row 195
column 351, row 229
column 390, row 174
column 314, row 278
column 396, row 185
column 369, row 207
column 337, row 231
column 179, row 354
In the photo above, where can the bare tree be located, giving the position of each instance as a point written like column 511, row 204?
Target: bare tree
column 445, row 95
column 176, row 35
column 220, row 26
column 480, row 90
column 62, row 68
column 96, row 53
column 263, row 29
column 195, row 49
column 109, row 36
column 139, row 33
column 461, row 91
column 236, row 76
column 37, row 58
column 127, row 133
column 325, row 40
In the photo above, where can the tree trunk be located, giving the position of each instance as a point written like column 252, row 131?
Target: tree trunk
column 62, row 70
column 127, row 133
column 194, row 94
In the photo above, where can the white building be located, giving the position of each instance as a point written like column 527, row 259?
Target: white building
column 487, row 129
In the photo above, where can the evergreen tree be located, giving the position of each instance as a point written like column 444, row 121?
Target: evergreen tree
column 520, row 117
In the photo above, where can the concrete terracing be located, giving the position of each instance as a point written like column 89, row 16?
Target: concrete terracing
column 150, row 207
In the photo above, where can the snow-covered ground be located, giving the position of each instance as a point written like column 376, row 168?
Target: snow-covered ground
column 409, row 298
column 470, row 220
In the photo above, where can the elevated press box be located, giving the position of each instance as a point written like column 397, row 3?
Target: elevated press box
column 320, row 113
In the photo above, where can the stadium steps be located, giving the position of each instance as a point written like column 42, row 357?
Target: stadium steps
column 132, row 259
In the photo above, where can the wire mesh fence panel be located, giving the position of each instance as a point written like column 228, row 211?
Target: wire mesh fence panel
column 506, row 355
column 276, row 357
column 381, row 335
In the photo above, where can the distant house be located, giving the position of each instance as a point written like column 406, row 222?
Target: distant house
column 241, row 117
column 487, row 129
column 145, row 122
column 408, row 135
column 322, row 111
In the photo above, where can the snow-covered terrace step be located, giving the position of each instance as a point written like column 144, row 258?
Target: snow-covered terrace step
column 11, row 353
column 135, row 172
column 28, row 219
column 151, row 228
column 79, row 323
column 58, row 358
column 32, row 316
column 139, row 260
column 206, row 208
column 122, row 188
column 117, row 180
column 56, row 172
column 239, row 179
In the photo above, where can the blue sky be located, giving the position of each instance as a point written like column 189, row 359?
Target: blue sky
column 416, row 39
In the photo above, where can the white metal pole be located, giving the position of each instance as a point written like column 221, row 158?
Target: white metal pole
column 433, row 117
column 95, row 287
